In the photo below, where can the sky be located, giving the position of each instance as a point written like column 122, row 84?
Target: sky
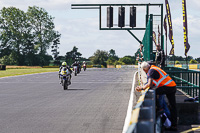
column 80, row 27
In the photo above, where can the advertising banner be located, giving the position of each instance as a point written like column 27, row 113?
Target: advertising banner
column 170, row 27
column 154, row 38
column 185, row 30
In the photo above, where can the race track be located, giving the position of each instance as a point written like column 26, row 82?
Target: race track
column 96, row 102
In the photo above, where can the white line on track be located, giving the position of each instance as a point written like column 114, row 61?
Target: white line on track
column 130, row 106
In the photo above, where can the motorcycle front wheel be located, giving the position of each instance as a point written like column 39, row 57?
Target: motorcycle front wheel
column 65, row 85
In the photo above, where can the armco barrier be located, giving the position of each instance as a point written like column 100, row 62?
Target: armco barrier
column 97, row 66
column 118, row 66
column 127, row 66
column 143, row 116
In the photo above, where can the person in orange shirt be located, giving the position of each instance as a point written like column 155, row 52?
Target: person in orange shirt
column 163, row 85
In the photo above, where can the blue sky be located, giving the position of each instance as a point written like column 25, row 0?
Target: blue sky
column 80, row 28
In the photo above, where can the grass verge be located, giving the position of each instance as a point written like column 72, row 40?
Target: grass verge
column 15, row 72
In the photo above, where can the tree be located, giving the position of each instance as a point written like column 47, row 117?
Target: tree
column 100, row 57
column 14, row 27
column 179, row 58
column 42, row 30
column 26, row 34
column 73, row 55
column 54, row 50
column 8, row 60
column 198, row 59
column 112, row 53
column 126, row 60
column 189, row 57
column 111, row 61
column 112, row 57
column 119, row 63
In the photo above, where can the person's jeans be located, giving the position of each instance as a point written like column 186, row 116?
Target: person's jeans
column 163, row 105
column 170, row 93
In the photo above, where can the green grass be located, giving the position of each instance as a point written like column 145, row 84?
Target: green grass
column 14, row 72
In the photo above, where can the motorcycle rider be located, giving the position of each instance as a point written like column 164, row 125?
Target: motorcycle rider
column 76, row 64
column 160, row 57
column 79, row 66
column 64, row 66
column 84, row 65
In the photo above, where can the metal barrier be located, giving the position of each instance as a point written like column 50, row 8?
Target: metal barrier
column 187, row 80
column 143, row 116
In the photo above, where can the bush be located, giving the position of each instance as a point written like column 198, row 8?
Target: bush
column 119, row 63
column 111, row 61
column 8, row 60
column 136, row 62
column 126, row 60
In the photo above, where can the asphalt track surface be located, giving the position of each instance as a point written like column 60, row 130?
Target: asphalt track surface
column 96, row 102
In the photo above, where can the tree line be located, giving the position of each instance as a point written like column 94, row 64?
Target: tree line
column 183, row 60
column 100, row 57
column 25, row 37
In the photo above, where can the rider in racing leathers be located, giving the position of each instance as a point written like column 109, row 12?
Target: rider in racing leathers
column 76, row 64
column 64, row 65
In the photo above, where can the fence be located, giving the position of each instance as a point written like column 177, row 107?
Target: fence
column 187, row 80
column 147, row 40
column 190, row 66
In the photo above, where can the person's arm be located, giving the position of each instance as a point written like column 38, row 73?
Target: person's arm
column 60, row 69
column 149, row 84
column 69, row 69
column 156, row 57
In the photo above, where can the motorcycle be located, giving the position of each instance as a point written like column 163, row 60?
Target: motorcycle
column 75, row 69
column 65, row 78
column 84, row 67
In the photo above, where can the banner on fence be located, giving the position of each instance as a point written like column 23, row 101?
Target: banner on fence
column 185, row 30
column 154, row 38
column 170, row 27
